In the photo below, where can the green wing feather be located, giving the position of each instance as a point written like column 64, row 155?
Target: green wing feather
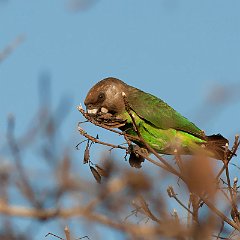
column 160, row 114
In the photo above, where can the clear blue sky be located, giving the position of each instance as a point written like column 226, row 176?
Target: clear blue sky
column 176, row 49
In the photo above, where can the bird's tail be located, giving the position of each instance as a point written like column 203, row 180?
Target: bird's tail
column 217, row 145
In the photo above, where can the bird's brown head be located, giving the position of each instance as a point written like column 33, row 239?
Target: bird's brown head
column 106, row 97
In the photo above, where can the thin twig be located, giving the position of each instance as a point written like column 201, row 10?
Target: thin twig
column 67, row 233
column 95, row 140
column 233, row 153
column 25, row 186
column 172, row 194
column 8, row 50
column 219, row 213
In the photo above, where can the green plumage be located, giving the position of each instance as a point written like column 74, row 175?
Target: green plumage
column 159, row 114
column 163, row 128
column 162, row 140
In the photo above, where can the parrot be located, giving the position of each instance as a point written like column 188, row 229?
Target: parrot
column 111, row 101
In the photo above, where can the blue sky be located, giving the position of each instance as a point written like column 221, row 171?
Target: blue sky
column 176, row 49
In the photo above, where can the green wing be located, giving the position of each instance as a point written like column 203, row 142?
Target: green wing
column 160, row 114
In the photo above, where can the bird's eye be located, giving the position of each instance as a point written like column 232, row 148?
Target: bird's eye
column 101, row 96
